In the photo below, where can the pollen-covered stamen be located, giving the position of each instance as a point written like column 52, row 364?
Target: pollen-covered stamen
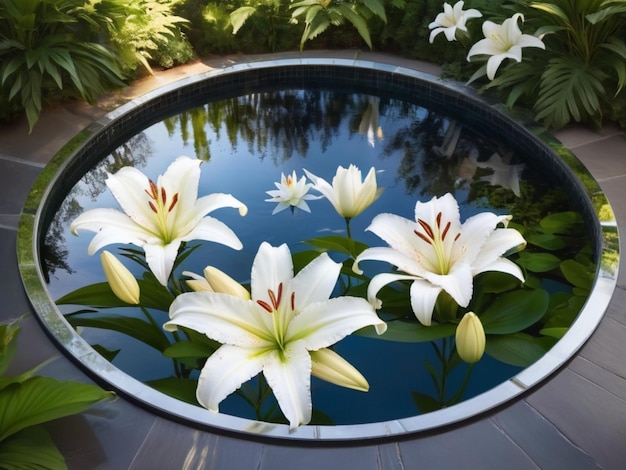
column 174, row 201
column 427, row 228
column 158, row 204
column 265, row 306
column 293, row 301
column 435, row 237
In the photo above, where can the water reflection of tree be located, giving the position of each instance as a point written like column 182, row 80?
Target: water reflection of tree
column 421, row 169
column 133, row 152
column 278, row 124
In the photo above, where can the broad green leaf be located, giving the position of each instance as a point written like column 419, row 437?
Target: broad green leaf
column 100, row 295
column 577, row 274
column 183, row 349
column 136, row 328
column 357, row 21
column 30, row 448
column 337, row 243
column 538, row 262
column 514, row 311
column 410, row 332
column 425, row 403
column 376, row 7
column 108, row 354
column 556, row 332
column 547, row 241
column 494, row 282
column 42, row 399
column 182, row 389
column 239, row 16
column 519, row 349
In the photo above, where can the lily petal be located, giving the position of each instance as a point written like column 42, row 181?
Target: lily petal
column 161, row 259
column 111, row 226
column 214, row 230
column 290, row 380
column 271, row 267
column 322, row 324
column 224, row 372
column 381, row 280
column 423, row 298
column 222, row 317
column 316, row 281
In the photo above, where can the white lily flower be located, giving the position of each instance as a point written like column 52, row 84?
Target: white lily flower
column 349, row 194
column 438, row 253
column 275, row 332
column 451, row 19
column 159, row 216
column 503, row 41
column 291, row 192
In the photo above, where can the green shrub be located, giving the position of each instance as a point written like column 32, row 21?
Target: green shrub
column 148, row 33
column 46, row 46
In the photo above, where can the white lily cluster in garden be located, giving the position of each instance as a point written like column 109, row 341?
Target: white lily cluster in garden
column 500, row 42
column 285, row 326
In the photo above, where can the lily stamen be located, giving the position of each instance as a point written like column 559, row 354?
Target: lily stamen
column 265, row 306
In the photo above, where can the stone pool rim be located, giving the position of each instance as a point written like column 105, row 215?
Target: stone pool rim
column 32, row 224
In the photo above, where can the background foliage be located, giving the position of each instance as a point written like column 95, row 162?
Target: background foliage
column 51, row 49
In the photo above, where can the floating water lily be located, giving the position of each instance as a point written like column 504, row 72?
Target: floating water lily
column 159, row 216
column 503, row 41
column 291, row 192
column 277, row 331
column 349, row 193
column 438, row 253
column 451, row 20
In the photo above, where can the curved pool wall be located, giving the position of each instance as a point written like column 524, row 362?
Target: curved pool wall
column 104, row 135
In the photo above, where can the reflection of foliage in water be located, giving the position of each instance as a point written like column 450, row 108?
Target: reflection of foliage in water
column 133, row 152
column 278, row 123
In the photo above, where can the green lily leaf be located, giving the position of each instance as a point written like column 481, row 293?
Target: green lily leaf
column 425, row 403
column 577, row 274
column 494, row 282
column 557, row 333
column 547, row 241
column 153, row 295
column 136, row 328
column 108, row 354
column 190, row 349
column 538, row 262
column 183, row 389
column 560, row 222
column 339, row 244
column 42, row 399
column 514, row 311
column 519, row 349
column 30, row 448
column 410, row 332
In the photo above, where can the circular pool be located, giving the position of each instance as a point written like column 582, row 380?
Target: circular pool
column 550, row 160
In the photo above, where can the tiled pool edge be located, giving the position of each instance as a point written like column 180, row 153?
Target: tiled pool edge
column 58, row 328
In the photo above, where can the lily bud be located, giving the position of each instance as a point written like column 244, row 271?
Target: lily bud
column 329, row 366
column 120, row 279
column 470, row 338
column 215, row 280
